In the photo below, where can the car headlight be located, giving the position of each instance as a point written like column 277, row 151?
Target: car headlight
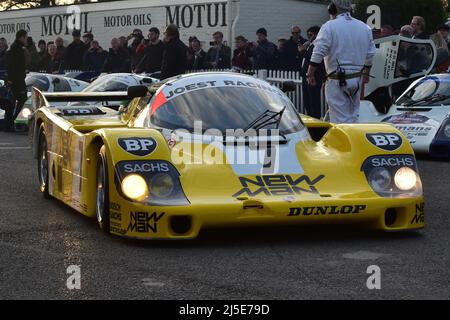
column 150, row 182
column 161, row 185
column 405, row 179
column 447, row 130
column 380, row 179
column 393, row 175
column 135, row 187
column 25, row 113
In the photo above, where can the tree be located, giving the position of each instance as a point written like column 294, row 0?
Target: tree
column 399, row 12
column 18, row 4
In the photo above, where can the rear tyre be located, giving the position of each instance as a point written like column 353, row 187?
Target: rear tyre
column 43, row 163
column 102, row 195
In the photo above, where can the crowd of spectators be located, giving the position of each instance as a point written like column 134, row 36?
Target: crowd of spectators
column 137, row 53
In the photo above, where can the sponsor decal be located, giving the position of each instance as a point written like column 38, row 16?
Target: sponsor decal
column 117, row 230
column 114, row 215
column 419, row 218
column 144, row 222
column 406, row 118
column 138, row 146
column 145, row 167
column 393, row 161
column 385, row 141
column 326, row 210
column 277, row 185
column 114, row 206
column 115, row 224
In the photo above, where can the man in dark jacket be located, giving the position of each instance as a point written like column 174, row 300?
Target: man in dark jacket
column 135, row 56
column 264, row 52
column 3, row 50
column 241, row 55
column 195, row 56
column 117, row 60
column 219, row 55
column 294, row 62
column 16, row 66
column 73, row 59
column 153, row 52
column 175, row 54
column 94, row 59
column 52, row 61
column 312, row 94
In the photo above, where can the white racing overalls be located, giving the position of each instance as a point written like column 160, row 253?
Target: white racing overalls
column 345, row 43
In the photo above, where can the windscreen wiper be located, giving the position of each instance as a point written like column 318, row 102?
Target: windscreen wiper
column 266, row 119
column 430, row 99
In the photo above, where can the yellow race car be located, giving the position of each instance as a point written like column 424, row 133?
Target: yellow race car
column 219, row 149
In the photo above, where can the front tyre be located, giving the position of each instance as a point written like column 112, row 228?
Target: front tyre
column 102, row 195
column 42, row 163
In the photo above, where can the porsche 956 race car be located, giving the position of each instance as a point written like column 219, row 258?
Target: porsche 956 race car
column 422, row 111
column 219, row 149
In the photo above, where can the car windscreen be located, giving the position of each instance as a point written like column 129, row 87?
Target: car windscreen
column 226, row 108
column 413, row 58
column 38, row 81
column 104, row 85
column 430, row 91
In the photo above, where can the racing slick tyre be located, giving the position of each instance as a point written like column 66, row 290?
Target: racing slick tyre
column 102, row 196
column 42, row 163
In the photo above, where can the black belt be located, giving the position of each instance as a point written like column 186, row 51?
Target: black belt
column 334, row 76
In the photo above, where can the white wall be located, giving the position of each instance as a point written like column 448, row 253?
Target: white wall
column 275, row 15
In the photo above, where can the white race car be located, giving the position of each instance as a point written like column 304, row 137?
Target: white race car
column 422, row 112
column 45, row 83
column 119, row 82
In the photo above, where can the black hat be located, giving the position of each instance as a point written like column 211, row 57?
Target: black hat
column 76, row 33
column 262, row 31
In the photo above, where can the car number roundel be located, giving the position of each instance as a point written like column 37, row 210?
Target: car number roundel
column 138, row 146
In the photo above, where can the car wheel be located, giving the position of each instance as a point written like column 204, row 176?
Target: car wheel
column 102, row 196
column 43, row 163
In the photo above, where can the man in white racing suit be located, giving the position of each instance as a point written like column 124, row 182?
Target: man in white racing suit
column 346, row 44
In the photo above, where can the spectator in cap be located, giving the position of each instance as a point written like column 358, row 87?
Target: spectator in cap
column 117, row 60
column 42, row 53
column 219, row 55
column 88, row 37
column 241, row 55
column 73, row 59
column 263, row 52
column 152, row 53
column 174, row 60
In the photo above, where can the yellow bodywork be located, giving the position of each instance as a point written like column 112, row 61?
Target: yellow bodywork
column 343, row 193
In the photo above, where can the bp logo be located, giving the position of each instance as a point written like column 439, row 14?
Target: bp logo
column 138, row 146
column 385, row 141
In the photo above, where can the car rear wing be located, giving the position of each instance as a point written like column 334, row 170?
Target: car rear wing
column 41, row 99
